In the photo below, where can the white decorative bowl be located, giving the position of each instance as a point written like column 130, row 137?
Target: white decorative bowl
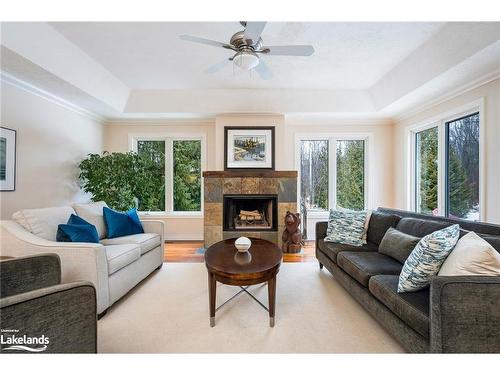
column 242, row 244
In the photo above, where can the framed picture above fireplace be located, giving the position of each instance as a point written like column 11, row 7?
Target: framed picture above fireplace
column 249, row 147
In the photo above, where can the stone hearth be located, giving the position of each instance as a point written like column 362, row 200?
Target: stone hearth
column 218, row 184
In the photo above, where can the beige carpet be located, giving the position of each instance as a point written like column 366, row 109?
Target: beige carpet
column 168, row 313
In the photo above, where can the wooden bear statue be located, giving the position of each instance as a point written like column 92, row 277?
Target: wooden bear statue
column 292, row 238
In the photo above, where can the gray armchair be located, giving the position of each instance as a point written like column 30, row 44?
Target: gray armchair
column 39, row 314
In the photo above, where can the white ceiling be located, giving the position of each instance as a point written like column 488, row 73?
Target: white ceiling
column 126, row 70
column 151, row 56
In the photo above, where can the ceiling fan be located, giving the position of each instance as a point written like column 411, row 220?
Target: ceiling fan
column 248, row 46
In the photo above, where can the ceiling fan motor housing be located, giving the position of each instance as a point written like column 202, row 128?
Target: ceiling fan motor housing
column 239, row 41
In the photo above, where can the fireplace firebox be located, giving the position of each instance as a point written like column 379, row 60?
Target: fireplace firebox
column 250, row 213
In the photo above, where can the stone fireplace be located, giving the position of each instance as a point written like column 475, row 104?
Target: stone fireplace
column 247, row 203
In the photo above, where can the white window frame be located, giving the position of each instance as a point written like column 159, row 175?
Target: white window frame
column 332, row 139
column 440, row 122
column 169, row 140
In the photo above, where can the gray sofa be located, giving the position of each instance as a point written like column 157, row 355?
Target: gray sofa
column 457, row 314
column 34, row 304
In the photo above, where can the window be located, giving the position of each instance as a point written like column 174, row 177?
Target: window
column 351, row 174
column 427, row 171
column 462, row 168
column 332, row 174
column 187, row 175
column 176, row 166
column 446, row 168
column 152, row 190
column 314, row 174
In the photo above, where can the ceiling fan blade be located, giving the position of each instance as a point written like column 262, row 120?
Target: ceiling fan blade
column 299, row 50
column 263, row 70
column 253, row 30
column 216, row 67
column 209, row 42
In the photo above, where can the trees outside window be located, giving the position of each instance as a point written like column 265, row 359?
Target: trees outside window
column 176, row 166
column 320, row 189
column 427, row 171
column 314, row 174
column 463, row 167
column 458, row 140
column 187, row 175
column 351, row 174
column 151, row 191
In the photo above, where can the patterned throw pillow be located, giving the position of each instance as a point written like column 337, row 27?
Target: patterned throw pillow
column 346, row 227
column 427, row 258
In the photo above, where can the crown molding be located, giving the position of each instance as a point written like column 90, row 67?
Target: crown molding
column 158, row 121
column 474, row 84
column 34, row 90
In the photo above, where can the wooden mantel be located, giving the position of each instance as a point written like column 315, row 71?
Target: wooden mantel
column 264, row 173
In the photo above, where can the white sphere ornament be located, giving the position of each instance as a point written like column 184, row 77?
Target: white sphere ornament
column 242, row 244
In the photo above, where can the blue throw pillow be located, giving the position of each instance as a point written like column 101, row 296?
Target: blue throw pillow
column 77, row 230
column 121, row 224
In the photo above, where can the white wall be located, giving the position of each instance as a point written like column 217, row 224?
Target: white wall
column 490, row 93
column 51, row 141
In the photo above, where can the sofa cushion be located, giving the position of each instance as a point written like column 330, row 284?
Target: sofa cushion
column 379, row 223
column 363, row 265
column 119, row 224
column 147, row 241
column 346, row 227
column 120, row 256
column 77, row 230
column 411, row 308
column 43, row 222
column 332, row 249
column 426, row 259
column 491, row 239
column 420, row 227
column 92, row 212
column 397, row 245
column 472, row 255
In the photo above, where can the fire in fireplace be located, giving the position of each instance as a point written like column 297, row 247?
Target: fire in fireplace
column 250, row 212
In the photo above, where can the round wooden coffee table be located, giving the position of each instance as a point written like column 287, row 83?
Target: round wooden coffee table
column 259, row 265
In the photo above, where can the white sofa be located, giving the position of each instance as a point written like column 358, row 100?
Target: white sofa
column 114, row 266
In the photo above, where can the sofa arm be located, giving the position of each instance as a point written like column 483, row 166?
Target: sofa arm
column 154, row 226
column 79, row 261
column 465, row 314
column 64, row 314
column 23, row 274
column 321, row 227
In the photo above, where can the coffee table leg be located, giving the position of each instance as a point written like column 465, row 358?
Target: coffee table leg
column 271, row 291
column 212, row 288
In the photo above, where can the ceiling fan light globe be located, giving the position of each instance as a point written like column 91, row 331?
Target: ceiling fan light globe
column 246, row 60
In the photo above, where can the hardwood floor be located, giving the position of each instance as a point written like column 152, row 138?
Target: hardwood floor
column 186, row 252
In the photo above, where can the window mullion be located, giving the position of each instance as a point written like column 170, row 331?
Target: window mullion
column 169, row 173
column 332, row 172
column 442, row 169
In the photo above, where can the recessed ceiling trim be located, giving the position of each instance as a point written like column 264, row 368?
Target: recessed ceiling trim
column 25, row 86
column 448, row 96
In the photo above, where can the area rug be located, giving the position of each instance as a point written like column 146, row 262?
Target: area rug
column 168, row 313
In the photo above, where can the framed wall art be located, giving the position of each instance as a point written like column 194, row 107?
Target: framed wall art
column 7, row 159
column 249, row 147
